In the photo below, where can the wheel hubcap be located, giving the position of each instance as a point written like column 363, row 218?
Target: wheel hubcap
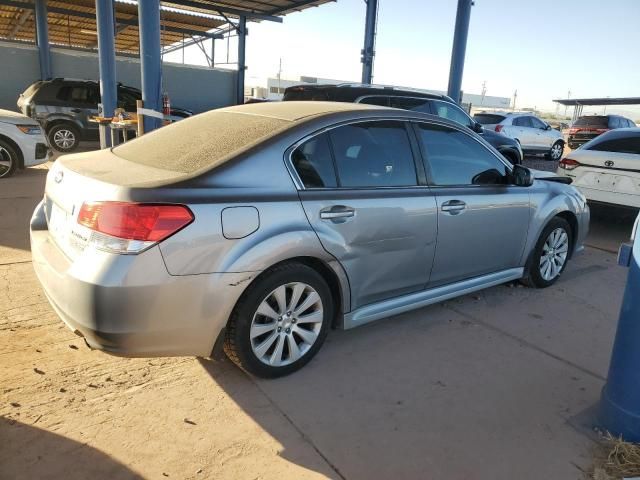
column 554, row 254
column 556, row 152
column 287, row 324
column 5, row 161
column 64, row 138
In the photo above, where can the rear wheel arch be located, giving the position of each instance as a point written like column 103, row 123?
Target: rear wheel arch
column 16, row 147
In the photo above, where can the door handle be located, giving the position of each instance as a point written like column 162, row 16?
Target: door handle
column 337, row 212
column 453, row 206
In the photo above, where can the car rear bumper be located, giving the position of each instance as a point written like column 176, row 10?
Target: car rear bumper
column 610, row 198
column 129, row 305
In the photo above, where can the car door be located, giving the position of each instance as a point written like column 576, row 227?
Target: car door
column 544, row 138
column 360, row 192
column 524, row 132
column 81, row 101
column 482, row 220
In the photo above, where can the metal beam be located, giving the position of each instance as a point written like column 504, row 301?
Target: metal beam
column 460, row 34
column 42, row 39
column 106, row 59
column 368, row 52
column 150, row 60
column 122, row 21
column 26, row 13
column 242, row 36
column 193, row 41
column 295, row 6
column 228, row 10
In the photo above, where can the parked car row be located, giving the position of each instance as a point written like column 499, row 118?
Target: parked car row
column 63, row 107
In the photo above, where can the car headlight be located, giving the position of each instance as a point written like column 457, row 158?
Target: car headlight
column 30, row 129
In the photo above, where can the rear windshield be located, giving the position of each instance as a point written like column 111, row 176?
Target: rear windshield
column 298, row 93
column 593, row 121
column 200, row 142
column 488, row 118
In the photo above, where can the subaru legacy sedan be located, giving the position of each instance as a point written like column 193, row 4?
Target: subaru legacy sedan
column 255, row 229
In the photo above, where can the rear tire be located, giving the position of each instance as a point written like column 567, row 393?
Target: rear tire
column 280, row 322
column 64, row 137
column 550, row 255
column 8, row 159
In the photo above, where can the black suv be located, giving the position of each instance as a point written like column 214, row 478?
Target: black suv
column 63, row 107
column 406, row 99
column 590, row 126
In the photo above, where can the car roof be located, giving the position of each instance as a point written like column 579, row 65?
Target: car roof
column 362, row 89
column 294, row 111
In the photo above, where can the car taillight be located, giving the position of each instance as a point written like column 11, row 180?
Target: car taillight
column 601, row 130
column 568, row 164
column 573, row 130
column 498, row 128
column 123, row 227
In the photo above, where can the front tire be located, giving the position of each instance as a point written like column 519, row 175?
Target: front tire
column 8, row 159
column 556, row 151
column 63, row 137
column 280, row 322
column 550, row 255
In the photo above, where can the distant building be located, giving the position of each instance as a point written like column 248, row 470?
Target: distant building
column 275, row 90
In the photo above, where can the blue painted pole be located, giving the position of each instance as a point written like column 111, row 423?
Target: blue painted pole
column 368, row 52
column 150, row 60
column 463, row 16
column 242, row 38
column 620, row 402
column 42, row 39
column 107, row 59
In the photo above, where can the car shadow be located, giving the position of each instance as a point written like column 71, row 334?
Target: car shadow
column 37, row 453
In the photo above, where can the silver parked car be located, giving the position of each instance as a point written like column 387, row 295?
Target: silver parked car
column 256, row 228
column 534, row 135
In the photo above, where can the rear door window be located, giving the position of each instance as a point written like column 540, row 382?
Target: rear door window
column 537, row 123
column 452, row 112
column 410, row 103
column 523, row 122
column 454, row 158
column 78, row 94
column 373, row 154
column 314, row 164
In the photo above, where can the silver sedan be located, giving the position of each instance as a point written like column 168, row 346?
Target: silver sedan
column 255, row 229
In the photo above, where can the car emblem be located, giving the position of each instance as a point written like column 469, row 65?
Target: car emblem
column 58, row 177
column 608, row 163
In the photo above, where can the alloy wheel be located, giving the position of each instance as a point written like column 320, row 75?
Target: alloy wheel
column 5, row 161
column 286, row 324
column 64, row 138
column 554, row 254
column 556, row 151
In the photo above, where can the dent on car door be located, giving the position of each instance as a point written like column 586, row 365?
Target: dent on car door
column 362, row 197
column 482, row 220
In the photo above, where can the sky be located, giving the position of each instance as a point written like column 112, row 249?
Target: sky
column 541, row 48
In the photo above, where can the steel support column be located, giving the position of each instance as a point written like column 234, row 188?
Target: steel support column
column 463, row 16
column 106, row 59
column 242, row 38
column 368, row 52
column 150, row 60
column 42, row 39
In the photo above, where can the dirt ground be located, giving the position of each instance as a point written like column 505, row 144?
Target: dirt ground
column 495, row 385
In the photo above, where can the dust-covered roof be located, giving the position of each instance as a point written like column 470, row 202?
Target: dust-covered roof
column 295, row 111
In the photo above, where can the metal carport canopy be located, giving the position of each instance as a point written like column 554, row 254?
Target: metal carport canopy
column 572, row 102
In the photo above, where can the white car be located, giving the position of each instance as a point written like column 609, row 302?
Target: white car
column 535, row 136
column 607, row 168
column 22, row 143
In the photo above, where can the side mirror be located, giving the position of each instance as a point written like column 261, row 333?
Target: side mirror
column 548, row 127
column 478, row 128
column 521, row 176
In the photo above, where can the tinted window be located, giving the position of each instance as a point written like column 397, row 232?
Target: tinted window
column 450, row 111
column 614, row 122
column 382, row 101
column 127, row 98
column 537, row 123
column 600, row 121
column 78, row 94
column 618, row 143
column 414, row 104
column 522, row 122
column 457, row 159
column 312, row 160
column 488, row 118
column 301, row 93
column 373, row 154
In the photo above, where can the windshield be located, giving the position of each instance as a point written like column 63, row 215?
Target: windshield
column 200, row 142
